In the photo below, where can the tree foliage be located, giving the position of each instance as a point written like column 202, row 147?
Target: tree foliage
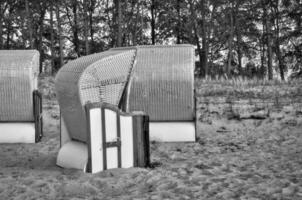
column 232, row 37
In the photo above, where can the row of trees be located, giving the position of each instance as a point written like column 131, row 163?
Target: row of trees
column 232, row 37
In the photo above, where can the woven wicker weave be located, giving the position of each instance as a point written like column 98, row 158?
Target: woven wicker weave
column 159, row 81
column 18, row 79
column 95, row 78
column 162, row 83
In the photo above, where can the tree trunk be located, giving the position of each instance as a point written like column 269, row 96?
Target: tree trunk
column 178, row 22
column 61, row 62
column 239, row 39
column 85, row 6
column 29, row 24
column 210, row 31
column 269, row 51
column 52, row 62
column 280, row 59
column 91, row 10
column 41, row 25
column 230, row 43
column 239, row 59
column 75, row 27
column 262, row 45
column 278, row 51
column 1, row 26
column 153, row 22
column 135, row 31
column 3, row 8
column 8, row 28
column 204, row 60
column 199, row 50
column 119, row 23
column 269, row 47
column 262, row 71
column 196, row 37
column 23, row 30
column 264, row 41
column 111, row 21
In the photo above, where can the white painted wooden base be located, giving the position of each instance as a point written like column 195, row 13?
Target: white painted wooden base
column 172, row 131
column 17, row 132
column 74, row 155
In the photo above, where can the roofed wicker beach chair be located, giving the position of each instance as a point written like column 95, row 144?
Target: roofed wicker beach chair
column 20, row 102
column 157, row 80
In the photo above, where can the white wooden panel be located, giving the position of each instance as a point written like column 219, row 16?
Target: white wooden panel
column 17, row 133
column 127, row 141
column 172, row 131
column 96, row 140
column 112, row 159
column 111, row 125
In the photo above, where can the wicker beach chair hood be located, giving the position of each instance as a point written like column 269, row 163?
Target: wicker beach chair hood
column 155, row 79
column 18, row 79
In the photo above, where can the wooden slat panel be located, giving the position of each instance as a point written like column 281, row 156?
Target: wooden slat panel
column 95, row 141
column 112, row 159
column 141, row 135
column 127, row 141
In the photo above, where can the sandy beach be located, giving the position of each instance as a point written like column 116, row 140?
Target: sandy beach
column 248, row 158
